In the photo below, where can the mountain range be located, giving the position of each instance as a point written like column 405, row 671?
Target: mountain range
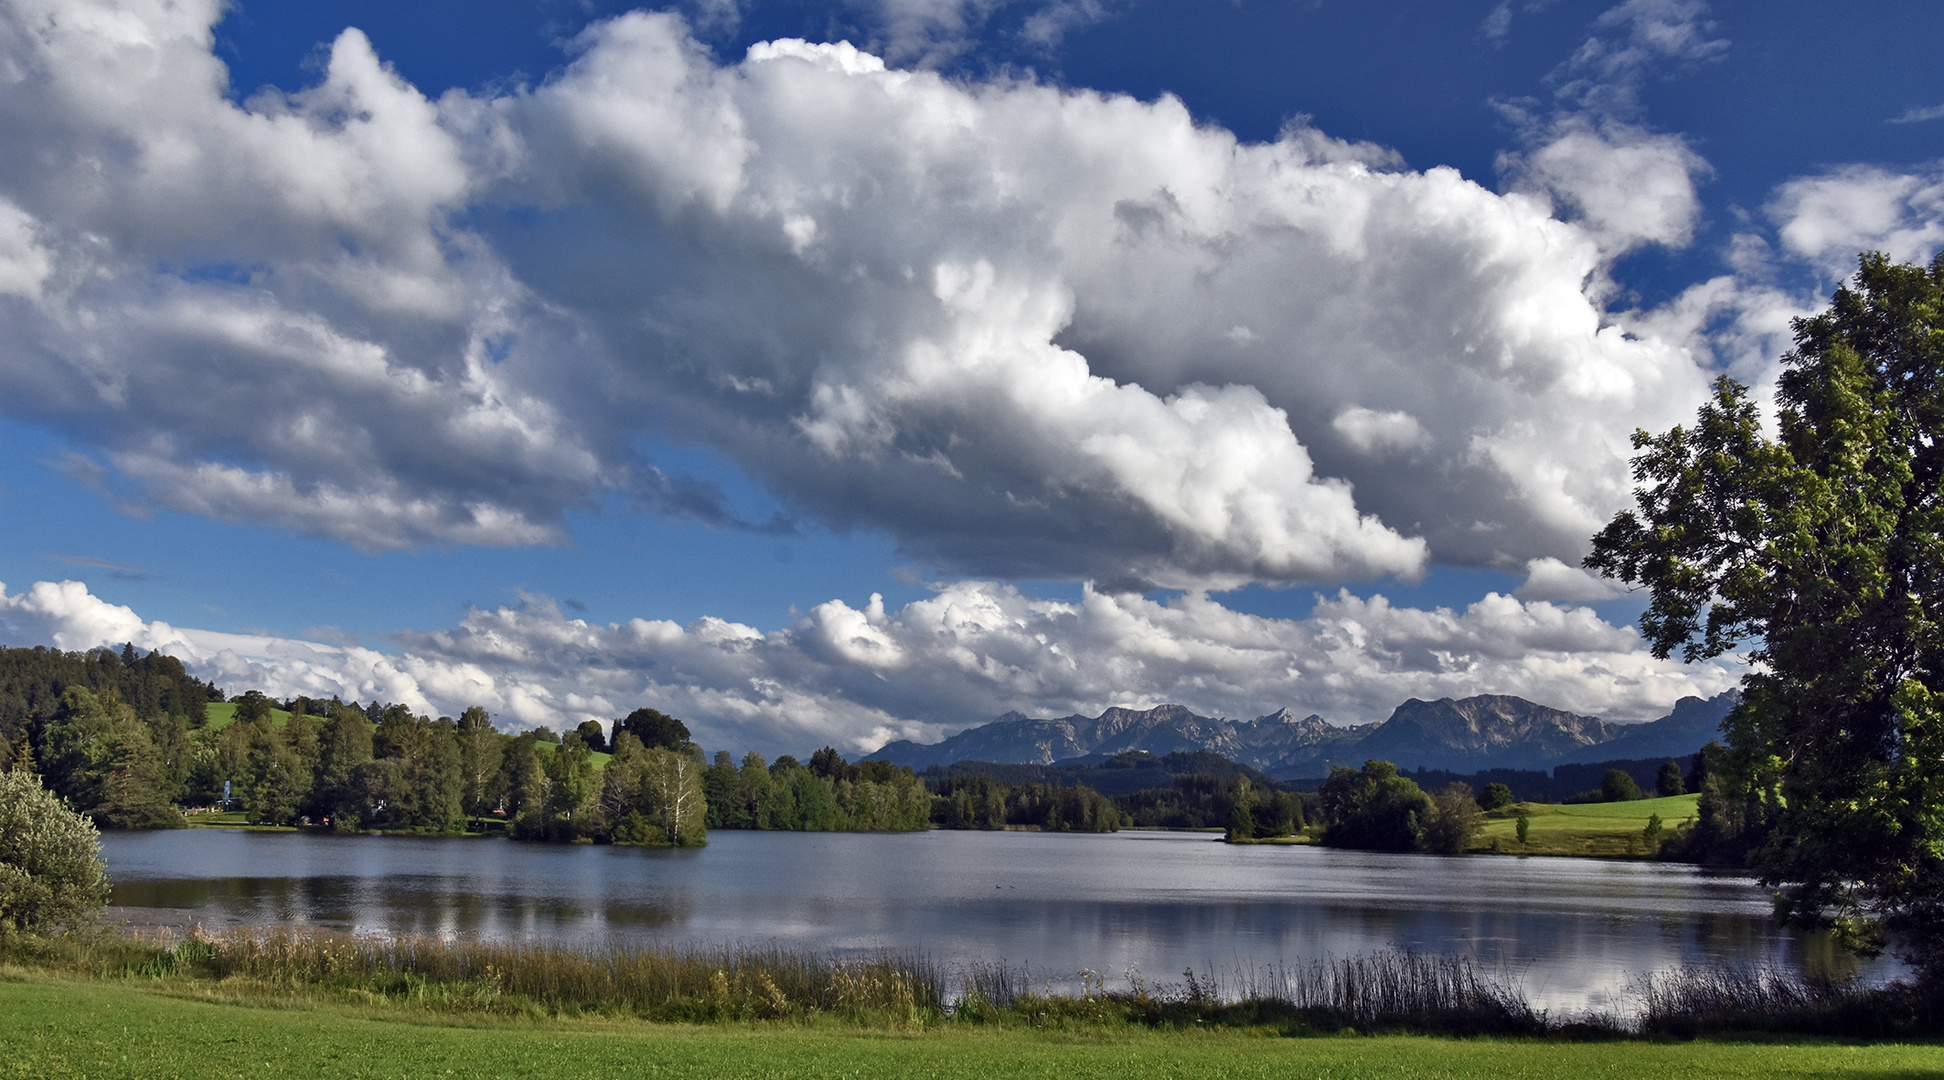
column 1488, row 731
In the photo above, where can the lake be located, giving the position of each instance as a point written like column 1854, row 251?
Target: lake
column 1573, row 931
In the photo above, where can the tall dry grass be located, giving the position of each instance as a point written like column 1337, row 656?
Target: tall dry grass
column 1398, row 987
column 1695, row 1001
column 1392, row 991
column 676, row 983
column 1397, row 990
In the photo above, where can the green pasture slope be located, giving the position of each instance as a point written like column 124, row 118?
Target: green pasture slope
column 1610, row 829
column 222, row 714
column 52, row 1029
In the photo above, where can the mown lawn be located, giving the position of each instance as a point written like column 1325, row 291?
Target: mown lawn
column 53, row 1029
column 1613, row 829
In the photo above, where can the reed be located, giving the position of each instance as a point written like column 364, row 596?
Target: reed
column 1397, row 990
column 697, row 983
column 1378, row 992
column 1694, row 1001
column 1393, row 989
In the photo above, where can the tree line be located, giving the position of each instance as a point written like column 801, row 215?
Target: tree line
column 829, row 794
column 1576, row 782
column 984, row 802
column 127, row 739
column 111, row 731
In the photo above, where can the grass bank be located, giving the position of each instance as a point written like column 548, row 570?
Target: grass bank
column 1609, row 830
column 54, row 1028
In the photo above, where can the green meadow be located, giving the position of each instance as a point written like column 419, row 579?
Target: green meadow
column 56, row 1029
column 1613, row 830
column 222, row 714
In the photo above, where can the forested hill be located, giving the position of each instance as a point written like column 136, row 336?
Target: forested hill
column 108, row 730
column 32, row 682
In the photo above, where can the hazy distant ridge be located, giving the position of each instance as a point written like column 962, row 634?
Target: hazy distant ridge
column 1488, row 731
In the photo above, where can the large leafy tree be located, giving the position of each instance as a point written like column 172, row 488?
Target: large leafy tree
column 1820, row 551
column 1373, row 808
column 655, row 728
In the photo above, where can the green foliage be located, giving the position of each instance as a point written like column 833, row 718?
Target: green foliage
column 482, row 752
column 343, row 750
column 982, row 802
column 1524, row 827
column 650, row 796
column 1373, row 809
column 594, row 735
column 1617, row 786
column 413, row 780
column 1668, row 781
column 278, row 766
column 655, row 728
column 1258, row 813
column 51, row 873
column 1455, row 819
column 525, row 778
column 1737, row 805
column 561, row 807
column 104, row 761
column 254, row 708
column 1210, row 800
column 1821, row 549
column 835, row 795
column 971, row 802
column 1496, row 796
column 34, row 683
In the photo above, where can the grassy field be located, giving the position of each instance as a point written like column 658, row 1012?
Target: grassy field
column 222, row 714
column 1608, row 829
column 56, row 1029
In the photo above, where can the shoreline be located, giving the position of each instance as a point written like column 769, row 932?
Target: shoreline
column 1495, row 847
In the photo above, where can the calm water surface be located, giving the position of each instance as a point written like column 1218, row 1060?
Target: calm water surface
column 1572, row 930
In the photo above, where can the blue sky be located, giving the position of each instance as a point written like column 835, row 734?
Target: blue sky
column 568, row 357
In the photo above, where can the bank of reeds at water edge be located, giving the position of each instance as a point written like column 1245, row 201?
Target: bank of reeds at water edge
column 1381, row 992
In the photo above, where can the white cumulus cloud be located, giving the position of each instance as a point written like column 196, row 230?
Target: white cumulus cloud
column 1827, row 218
column 1625, row 185
column 1550, row 579
column 968, row 314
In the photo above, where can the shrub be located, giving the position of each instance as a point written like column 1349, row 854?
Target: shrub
column 1619, row 787
column 51, row 872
